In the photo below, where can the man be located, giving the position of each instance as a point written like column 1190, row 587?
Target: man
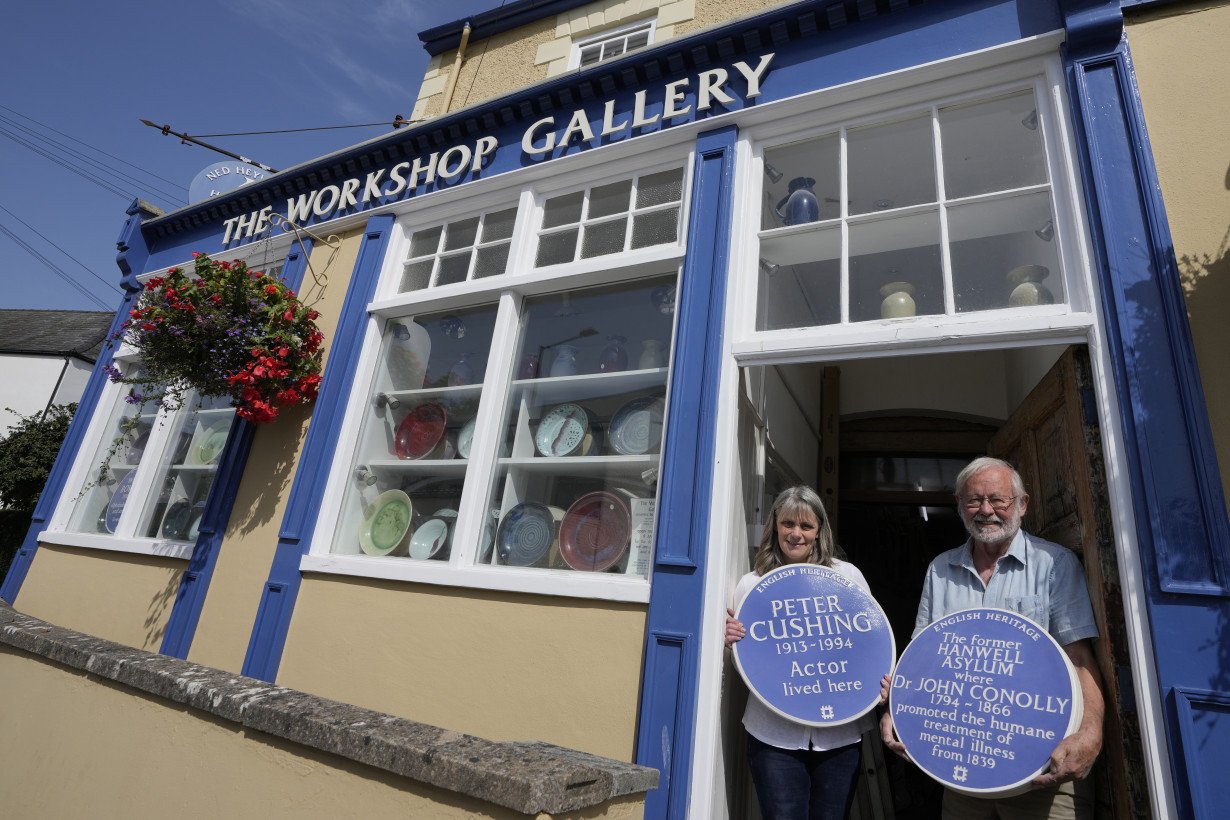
column 1001, row 566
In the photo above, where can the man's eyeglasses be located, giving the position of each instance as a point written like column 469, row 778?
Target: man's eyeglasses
column 998, row 503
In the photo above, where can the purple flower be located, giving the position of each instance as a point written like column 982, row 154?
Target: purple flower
column 134, row 398
column 113, row 372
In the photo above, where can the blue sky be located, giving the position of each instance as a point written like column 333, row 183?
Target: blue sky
column 89, row 71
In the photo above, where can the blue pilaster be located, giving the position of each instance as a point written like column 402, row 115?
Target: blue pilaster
column 299, row 521
column 666, row 732
column 1181, row 522
column 194, row 583
column 131, row 258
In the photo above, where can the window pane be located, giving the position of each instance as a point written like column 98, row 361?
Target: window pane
column 409, row 471
column 992, row 146
column 890, row 166
column 461, row 234
column 499, row 225
column 576, row 477
column 453, row 268
column 802, row 183
column 612, row 48
column 491, row 261
column 1003, row 254
column 425, row 242
column 417, row 275
column 604, row 238
column 895, row 268
column 591, row 54
column 557, row 248
column 606, row 200
column 656, row 228
column 186, row 471
column 562, row 210
column 638, row 39
column 800, row 280
column 113, row 464
column 657, row 189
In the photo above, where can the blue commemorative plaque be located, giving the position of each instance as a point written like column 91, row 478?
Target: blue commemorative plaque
column 981, row 698
column 816, row 647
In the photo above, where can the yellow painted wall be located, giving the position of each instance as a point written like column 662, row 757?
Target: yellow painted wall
column 120, row 596
column 499, row 665
column 1183, row 72
column 251, row 538
column 532, row 53
column 106, row 751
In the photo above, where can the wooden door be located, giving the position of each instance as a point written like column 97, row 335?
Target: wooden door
column 1054, row 442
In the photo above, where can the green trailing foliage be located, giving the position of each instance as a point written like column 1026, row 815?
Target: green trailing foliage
column 26, row 455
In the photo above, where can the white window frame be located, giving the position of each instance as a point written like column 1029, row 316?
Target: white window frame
column 950, row 330
column 610, row 35
column 521, row 280
column 125, row 539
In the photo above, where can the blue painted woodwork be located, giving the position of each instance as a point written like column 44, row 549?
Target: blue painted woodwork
column 194, row 583
column 131, row 260
column 1180, row 513
column 666, row 733
column 299, row 521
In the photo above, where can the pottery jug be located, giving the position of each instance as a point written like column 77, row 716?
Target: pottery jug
column 651, row 355
column 614, row 357
column 528, row 369
column 565, row 363
column 801, row 206
column 1029, row 291
column 898, row 300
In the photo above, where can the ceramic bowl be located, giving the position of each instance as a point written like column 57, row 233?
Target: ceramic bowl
column 386, row 523
column 595, row 532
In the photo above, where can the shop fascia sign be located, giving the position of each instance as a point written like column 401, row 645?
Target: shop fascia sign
column 542, row 137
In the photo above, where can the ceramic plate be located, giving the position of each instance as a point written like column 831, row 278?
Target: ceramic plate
column 420, row 431
column 636, row 428
column 465, row 438
column 595, row 532
column 386, row 522
column 526, row 533
column 211, row 442
column 562, row 430
column 178, row 520
column 408, row 354
column 115, row 506
column 194, row 528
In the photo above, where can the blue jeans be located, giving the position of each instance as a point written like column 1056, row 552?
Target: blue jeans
column 801, row 784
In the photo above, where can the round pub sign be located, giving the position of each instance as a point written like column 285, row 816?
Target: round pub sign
column 981, row 698
column 816, row 647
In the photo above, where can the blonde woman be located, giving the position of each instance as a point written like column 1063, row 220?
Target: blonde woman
column 801, row 772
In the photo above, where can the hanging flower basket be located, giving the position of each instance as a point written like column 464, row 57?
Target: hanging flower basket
column 224, row 331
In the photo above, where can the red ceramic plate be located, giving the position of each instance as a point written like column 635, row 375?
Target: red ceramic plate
column 420, row 431
column 595, row 532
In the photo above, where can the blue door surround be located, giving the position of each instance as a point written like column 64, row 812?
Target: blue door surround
column 1181, row 521
column 131, row 258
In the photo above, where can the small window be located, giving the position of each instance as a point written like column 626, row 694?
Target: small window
column 473, row 247
column 611, row 44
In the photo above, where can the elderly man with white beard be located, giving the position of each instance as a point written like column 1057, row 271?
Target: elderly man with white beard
column 1002, row 566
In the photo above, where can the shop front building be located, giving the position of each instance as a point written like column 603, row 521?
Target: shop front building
column 685, row 262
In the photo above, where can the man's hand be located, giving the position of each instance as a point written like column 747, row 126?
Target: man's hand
column 888, row 733
column 734, row 629
column 1074, row 756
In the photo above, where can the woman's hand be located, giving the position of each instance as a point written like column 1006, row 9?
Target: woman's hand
column 888, row 732
column 734, row 629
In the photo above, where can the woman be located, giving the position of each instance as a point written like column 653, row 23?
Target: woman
column 801, row 772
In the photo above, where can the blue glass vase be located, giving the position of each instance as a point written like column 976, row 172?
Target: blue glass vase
column 801, row 206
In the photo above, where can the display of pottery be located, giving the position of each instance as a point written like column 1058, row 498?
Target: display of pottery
column 385, row 526
column 898, row 300
column 564, row 431
column 800, row 206
column 565, row 363
column 636, row 427
column 595, row 532
column 1028, row 290
column 614, row 356
column 527, row 533
column 651, row 355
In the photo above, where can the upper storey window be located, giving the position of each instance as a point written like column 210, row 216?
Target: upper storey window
column 939, row 211
column 611, row 44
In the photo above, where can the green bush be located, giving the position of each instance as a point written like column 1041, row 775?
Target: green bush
column 26, row 456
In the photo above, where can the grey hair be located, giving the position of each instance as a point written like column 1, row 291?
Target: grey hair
column 986, row 463
column 801, row 497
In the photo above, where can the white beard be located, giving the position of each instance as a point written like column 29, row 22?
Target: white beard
column 1006, row 530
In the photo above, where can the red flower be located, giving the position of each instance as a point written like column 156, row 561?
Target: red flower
column 271, row 290
column 147, row 326
column 284, row 351
column 288, row 316
column 313, row 315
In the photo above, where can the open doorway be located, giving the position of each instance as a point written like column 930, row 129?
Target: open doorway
column 883, row 440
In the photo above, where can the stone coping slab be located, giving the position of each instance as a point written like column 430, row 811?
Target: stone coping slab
column 525, row 776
